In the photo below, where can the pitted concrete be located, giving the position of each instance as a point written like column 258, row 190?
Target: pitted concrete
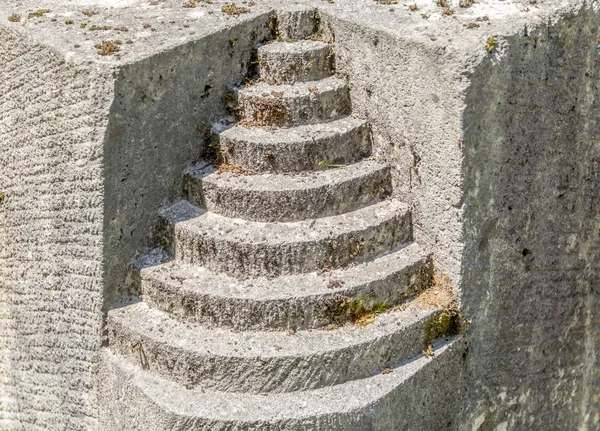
column 285, row 197
column 265, row 361
column 297, row 149
column 378, row 403
column 289, row 62
column 195, row 294
column 384, row 51
column 255, row 249
column 294, row 104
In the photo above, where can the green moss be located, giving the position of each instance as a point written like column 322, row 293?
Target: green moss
column 341, row 309
column 100, row 27
column 380, row 307
column 445, row 323
column 38, row 13
column 232, row 9
column 14, row 18
column 325, row 164
column 109, row 47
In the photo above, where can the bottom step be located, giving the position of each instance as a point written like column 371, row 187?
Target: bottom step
column 425, row 393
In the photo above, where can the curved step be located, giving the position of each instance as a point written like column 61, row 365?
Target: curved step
column 255, row 249
column 419, row 394
column 299, row 148
column 299, row 61
column 194, row 294
column 265, row 361
column 287, row 105
column 285, row 197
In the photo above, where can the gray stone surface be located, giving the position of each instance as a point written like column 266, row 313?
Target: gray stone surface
column 265, row 361
column 294, row 104
column 296, row 149
column 383, row 402
column 290, row 62
column 53, row 117
column 195, row 294
column 73, row 124
column 286, row 197
column 532, row 223
column 255, row 249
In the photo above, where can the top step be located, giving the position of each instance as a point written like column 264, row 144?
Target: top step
column 291, row 62
column 296, row 104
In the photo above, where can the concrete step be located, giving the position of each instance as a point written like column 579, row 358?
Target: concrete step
column 194, row 294
column 244, row 248
column 417, row 395
column 291, row 62
column 288, row 105
column 287, row 197
column 296, row 149
column 295, row 22
column 265, row 361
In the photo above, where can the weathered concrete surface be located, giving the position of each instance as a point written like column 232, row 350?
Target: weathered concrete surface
column 50, row 320
column 383, row 402
column 531, row 270
column 78, row 134
column 53, row 115
column 244, row 249
column 283, row 198
column 306, row 301
column 163, row 109
column 297, row 149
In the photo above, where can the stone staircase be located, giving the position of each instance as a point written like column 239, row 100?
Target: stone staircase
column 292, row 298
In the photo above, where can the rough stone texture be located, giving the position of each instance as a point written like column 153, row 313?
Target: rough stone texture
column 532, row 229
column 296, row 149
column 194, row 294
column 384, row 402
column 265, row 361
column 71, row 225
column 164, row 106
column 255, row 249
column 289, row 62
column 433, row 95
column 272, row 197
column 410, row 96
column 294, row 104
column 53, row 116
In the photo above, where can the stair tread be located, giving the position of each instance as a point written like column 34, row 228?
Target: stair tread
column 292, row 135
column 248, row 408
column 295, row 47
column 240, row 231
column 289, row 181
column 292, row 91
column 196, row 280
column 223, row 342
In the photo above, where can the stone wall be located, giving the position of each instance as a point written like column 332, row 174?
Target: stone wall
column 531, row 269
column 164, row 107
column 411, row 97
column 52, row 121
column 89, row 154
